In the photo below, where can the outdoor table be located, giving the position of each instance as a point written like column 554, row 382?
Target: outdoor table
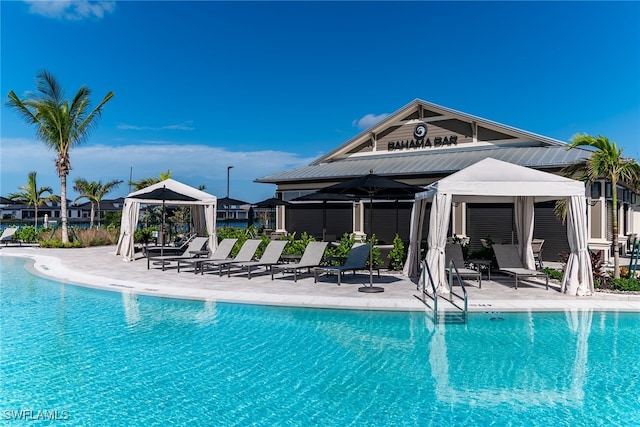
column 482, row 262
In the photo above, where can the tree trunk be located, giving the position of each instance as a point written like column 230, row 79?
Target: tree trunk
column 63, row 207
column 92, row 215
column 35, row 220
column 614, row 227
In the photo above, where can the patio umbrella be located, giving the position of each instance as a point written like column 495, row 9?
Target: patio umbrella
column 270, row 203
column 381, row 187
column 163, row 194
column 324, row 198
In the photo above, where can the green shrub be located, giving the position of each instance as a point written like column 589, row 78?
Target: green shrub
column 375, row 253
column 625, row 284
column 143, row 235
column 27, row 234
column 340, row 252
column 553, row 273
column 398, row 254
column 57, row 243
column 297, row 246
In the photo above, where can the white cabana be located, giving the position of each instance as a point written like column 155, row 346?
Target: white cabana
column 495, row 181
column 203, row 214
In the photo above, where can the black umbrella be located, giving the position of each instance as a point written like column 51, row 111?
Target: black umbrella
column 324, row 198
column 270, row 203
column 164, row 193
column 373, row 185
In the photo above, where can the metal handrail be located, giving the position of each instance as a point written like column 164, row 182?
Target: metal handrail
column 452, row 267
column 426, row 270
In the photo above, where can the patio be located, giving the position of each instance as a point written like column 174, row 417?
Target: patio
column 97, row 267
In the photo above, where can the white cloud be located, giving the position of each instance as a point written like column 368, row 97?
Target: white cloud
column 369, row 120
column 180, row 126
column 192, row 164
column 72, row 10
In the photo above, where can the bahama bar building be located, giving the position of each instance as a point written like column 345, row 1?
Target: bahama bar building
column 422, row 143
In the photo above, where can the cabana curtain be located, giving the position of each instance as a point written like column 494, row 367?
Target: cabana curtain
column 495, row 181
column 203, row 213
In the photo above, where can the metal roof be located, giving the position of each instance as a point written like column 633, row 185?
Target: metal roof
column 430, row 162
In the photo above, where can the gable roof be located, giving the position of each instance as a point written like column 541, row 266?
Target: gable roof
column 200, row 196
column 390, row 148
column 419, row 110
column 495, row 178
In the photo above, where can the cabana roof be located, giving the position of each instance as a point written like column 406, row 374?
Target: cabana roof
column 201, row 197
column 492, row 180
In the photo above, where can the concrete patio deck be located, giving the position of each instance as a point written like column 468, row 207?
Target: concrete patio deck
column 98, row 267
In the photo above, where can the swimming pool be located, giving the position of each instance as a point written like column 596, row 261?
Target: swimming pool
column 92, row 357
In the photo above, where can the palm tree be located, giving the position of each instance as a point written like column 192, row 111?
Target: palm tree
column 60, row 124
column 32, row 195
column 94, row 192
column 605, row 163
column 145, row 182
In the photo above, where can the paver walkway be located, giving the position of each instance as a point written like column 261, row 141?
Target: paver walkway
column 99, row 268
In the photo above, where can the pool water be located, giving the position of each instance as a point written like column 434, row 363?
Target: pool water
column 92, row 357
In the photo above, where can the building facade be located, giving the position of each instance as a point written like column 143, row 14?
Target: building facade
column 423, row 142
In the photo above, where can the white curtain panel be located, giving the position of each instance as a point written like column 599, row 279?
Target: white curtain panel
column 437, row 239
column 210, row 222
column 128, row 225
column 524, row 229
column 410, row 268
column 578, row 277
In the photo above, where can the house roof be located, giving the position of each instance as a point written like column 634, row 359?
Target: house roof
column 228, row 201
column 430, row 163
column 451, row 140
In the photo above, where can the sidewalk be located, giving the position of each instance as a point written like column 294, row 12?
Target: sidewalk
column 99, row 268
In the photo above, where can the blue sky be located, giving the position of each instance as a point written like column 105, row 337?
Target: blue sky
column 267, row 86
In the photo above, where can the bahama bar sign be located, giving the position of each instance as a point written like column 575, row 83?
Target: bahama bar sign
column 420, row 141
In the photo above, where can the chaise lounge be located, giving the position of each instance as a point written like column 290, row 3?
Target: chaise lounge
column 222, row 252
column 196, row 245
column 246, row 253
column 509, row 263
column 356, row 260
column 8, row 235
column 453, row 252
column 270, row 257
column 312, row 257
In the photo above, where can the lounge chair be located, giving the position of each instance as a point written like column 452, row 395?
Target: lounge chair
column 270, row 257
column 222, row 252
column 246, row 253
column 453, row 252
column 536, row 246
column 178, row 249
column 8, row 235
column 196, row 245
column 357, row 259
column 509, row 263
column 312, row 257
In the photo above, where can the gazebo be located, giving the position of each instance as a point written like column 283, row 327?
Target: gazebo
column 496, row 181
column 204, row 216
